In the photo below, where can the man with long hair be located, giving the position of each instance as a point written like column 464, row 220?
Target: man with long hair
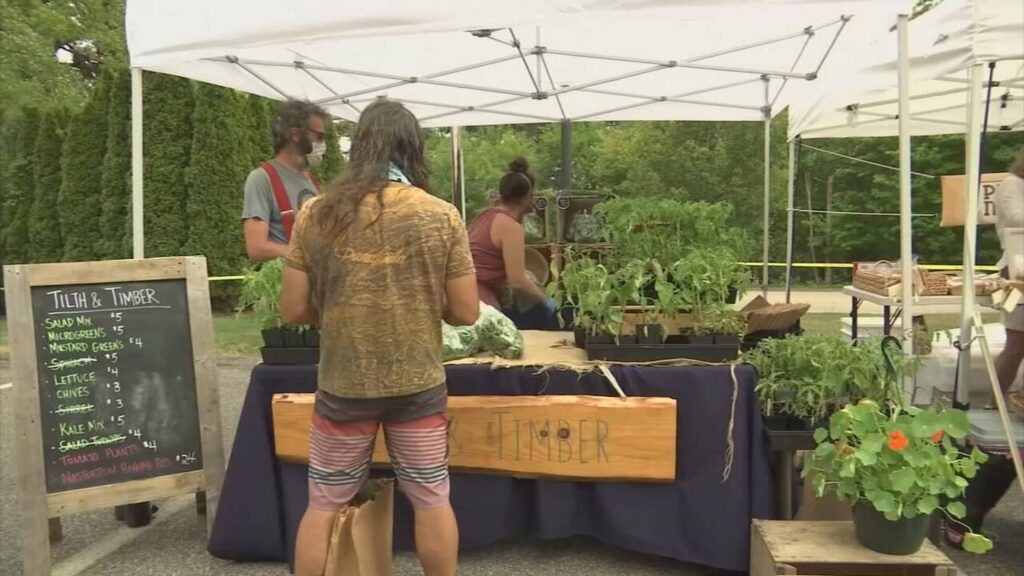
column 378, row 262
column 276, row 190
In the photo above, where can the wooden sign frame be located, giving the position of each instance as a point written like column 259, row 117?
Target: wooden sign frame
column 37, row 505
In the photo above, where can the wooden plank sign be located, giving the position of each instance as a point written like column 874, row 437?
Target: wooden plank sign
column 116, row 388
column 954, row 198
column 571, row 437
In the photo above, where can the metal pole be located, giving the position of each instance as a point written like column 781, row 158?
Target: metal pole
column 566, row 155
column 789, row 218
column 458, row 191
column 138, row 234
column 906, row 230
column 973, row 168
column 767, row 187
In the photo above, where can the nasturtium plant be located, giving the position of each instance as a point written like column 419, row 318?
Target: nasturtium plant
column 904, row 462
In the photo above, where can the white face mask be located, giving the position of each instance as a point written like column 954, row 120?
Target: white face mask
column 317, row 155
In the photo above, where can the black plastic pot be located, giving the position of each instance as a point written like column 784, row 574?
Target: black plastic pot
column 702, row 339
column 580, row 337
column 311, row 338
column 900, row 538
column 789, row 433
column 649, row 333
column 727, row 339
column 293, row 338
column 273, row 337
column 603, row 339
column 290, row 356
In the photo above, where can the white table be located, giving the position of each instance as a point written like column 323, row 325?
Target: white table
column 892, row 308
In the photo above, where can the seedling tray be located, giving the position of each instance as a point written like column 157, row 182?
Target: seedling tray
column 788, row 433
column 655, row 352
column 290, row 356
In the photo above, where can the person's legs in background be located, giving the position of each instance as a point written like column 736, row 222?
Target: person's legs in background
column 419, row 455
column 339, row 464
column 1009, row 360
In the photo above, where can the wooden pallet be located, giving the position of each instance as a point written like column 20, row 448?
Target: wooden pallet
column 831, row 549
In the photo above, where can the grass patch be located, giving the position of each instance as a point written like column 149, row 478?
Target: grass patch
column 236, row 336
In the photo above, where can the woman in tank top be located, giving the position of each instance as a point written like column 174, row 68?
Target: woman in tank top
column 498, row 241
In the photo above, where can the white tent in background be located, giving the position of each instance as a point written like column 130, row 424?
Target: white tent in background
column 957, row 55
column 472, row 62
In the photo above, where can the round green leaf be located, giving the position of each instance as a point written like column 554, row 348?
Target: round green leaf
column 927, row 504
column 820, row 435
column 976, row 543
column 956, row 509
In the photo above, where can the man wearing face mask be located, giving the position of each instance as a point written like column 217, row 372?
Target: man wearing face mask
column 276, row 190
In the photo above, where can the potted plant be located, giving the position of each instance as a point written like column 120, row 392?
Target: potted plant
column 631, row 280
column 896, row 467
column 724, row 324
column 261, row 289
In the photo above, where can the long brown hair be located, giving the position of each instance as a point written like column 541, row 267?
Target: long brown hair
column 1017, row 168
column 387, row 133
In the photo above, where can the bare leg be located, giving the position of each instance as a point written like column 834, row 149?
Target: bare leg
column 1008, row 361
column 312, row 542
column 437, row 540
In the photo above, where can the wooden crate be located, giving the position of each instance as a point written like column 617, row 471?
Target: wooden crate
column 831, row 549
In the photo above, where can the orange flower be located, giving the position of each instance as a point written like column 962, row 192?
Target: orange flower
column 937, row 437
column 898, row 441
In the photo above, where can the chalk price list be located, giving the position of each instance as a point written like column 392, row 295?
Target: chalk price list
column 86, row 338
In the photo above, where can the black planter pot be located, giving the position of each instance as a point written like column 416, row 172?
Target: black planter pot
column 649, row 333
column 786, row 432
column 900, row 538
column 727, row 339
column 293, row 338
column 311, row 338
column 703, row 339
column 580, row 337
column 273, row 337
column 600, row 339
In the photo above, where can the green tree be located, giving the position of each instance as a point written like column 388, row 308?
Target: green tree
column 167, row 145
column 44, row 223
column 8, row 149
column 81, row 187
column 30, row 74
column 117, row 167
column 20, row 177
column 90, row 33
column 257, row 130
column 216, row 178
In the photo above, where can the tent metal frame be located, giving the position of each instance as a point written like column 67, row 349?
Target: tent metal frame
column 536, row 76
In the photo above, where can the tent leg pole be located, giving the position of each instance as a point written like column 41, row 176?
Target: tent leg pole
column 972, row 163
column 138, row 233
column 789, row 219
column 767, row 188
column 906, row 230
column 458, row 190
column 566, row 156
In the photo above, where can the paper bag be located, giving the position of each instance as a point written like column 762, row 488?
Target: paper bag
column 361, row 537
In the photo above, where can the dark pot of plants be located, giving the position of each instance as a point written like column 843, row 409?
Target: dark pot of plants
column 900, row 538
column 778, row 422
column 702, row 339
column 311, row 338
column 604, row 339
column 727, row 339
column 273, row 337
column 649, row 333
column 293, row 338
column 580, row 337
column 733, row 294
column 677, row 339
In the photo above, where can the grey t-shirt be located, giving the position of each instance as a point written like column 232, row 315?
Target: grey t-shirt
column 260, row 202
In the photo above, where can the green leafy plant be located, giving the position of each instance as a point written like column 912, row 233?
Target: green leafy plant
column 261, row 290
column 904, row 462
column 721, row 319
column 588, row 285
column 807, row 377
column 706, row 276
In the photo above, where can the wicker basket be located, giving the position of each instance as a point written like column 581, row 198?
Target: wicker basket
column 931, row 283
column 877, row 278
column 775, row 317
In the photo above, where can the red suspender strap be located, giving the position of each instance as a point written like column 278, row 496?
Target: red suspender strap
column 283, row 204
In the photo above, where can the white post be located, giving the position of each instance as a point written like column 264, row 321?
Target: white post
column 767, row 187
column 906, row 224
column 138, row 234
column 789, row 219
column 458, row 187
column 972, row 150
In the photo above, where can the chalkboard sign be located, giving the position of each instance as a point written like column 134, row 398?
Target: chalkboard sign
column 116, row 381
column 116, row 388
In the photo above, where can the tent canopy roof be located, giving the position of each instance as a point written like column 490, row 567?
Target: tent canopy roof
column 471, row 62
column 857, row 95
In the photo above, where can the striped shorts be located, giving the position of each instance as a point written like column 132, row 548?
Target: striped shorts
column 340, row 454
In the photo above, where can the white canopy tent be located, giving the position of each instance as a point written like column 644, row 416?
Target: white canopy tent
column 470, row 62
column 932, row 79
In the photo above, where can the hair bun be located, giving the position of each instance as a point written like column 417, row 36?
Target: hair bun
column 519, row 165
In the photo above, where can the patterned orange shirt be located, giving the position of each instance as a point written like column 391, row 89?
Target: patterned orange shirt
column 379, row 291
